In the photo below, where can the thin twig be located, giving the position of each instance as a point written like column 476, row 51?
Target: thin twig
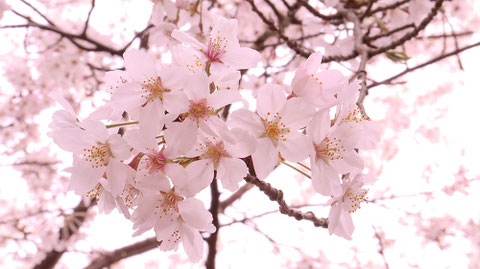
column 436, row 59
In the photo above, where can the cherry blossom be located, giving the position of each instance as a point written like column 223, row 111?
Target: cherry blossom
column 175, row 219
column 275, row 126
column 347, row 202
column 198, row 108
column 218, row 155
column 223, row 50
column 333, row 154
column 95, row 153
column 321, row 88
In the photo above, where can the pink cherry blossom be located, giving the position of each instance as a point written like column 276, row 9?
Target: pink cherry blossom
column 175, row 219
column 222, row 51
column 348, row 201
column 275, row 126
column 333, row 154
column 218, row 155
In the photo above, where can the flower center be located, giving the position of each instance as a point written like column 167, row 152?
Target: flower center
column 274, row 129
column 353, row 198
column 354, row 116
column 155, row 162
column 196, row 64
column 330, row 149
column 200, row 110
column 153, row 89
column 130, row 195
column 98, row 155
column 168, row 205
column 95, row 192
column 213, row 150
column 216, row 48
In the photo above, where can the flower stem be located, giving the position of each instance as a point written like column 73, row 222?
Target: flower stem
column 304, row 166
column 296, row 169
column 120, row 124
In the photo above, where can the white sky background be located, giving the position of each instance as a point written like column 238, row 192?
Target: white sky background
column 452, row 116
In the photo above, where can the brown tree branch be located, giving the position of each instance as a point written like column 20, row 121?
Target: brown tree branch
column 87, row 21
column 65, row 233
column 105, row 260
column 212, row 240
column 277, row 196
column 234, row 197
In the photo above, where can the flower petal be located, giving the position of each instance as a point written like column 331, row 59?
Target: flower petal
column 265, row 158
column 270, row 99
column 241, row 58
column 139, row 65
column 231, row 171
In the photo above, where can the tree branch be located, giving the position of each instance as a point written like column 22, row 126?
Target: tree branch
column 212, row 240
column 234, row 197
column 436, row 59
column 65, row 233
column 85, row 27
column 277, row 196
column 128, row 251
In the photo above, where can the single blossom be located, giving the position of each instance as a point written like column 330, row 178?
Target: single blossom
column 319, row 87
column 147, row 88
column 361, row 129
column 176, row 219
column 333, row 154
column 276, row 127
column 222, row 51
column 348, row 201
column 96, row 154
column 198, row 109
column 216, row 154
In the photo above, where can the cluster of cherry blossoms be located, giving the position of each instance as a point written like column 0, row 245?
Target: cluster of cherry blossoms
column 176, row 140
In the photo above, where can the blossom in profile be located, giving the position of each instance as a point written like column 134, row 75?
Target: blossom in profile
column 348, row 201
column 319, row 87
column 333, row 154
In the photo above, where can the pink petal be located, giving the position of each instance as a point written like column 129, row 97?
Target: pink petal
column 325, row 179
column 192, row 243
column 265, row 158
column 241, row 58
column 139, row 65
column 270, row 99
column 200, row 175
column 319, row 126
column 296, row 148
column 187, row 39
column 195, row 215
column 231, row 171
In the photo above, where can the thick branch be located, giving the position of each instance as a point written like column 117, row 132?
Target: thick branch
column 212, row 240
column 65, row 233
column 131, row 250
